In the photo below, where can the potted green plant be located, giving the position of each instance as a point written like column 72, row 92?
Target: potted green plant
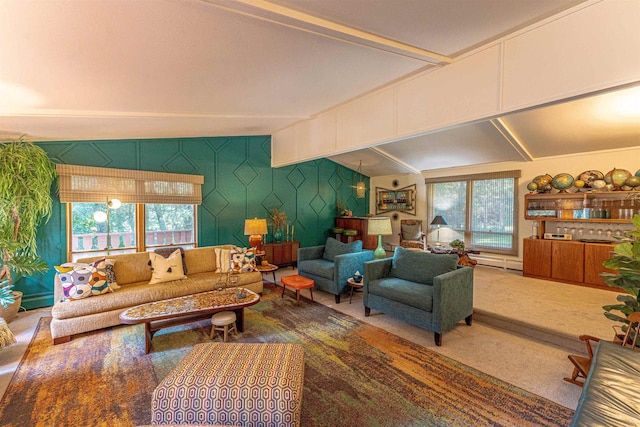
column 625, row 259
column 457, row 244
column 26, row 176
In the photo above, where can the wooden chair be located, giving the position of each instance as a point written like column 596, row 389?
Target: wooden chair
column 413, row 243
column 582, row 365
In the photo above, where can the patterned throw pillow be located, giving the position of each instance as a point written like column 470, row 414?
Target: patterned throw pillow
column 243, row 260
column 223, row 260
column 166, row 269
column 81, row 280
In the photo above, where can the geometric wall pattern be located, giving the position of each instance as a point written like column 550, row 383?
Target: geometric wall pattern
column 239, row 183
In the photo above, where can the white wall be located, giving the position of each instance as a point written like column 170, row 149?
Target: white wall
column 603, row 161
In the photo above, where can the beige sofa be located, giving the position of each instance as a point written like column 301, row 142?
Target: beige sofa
column 133, row 274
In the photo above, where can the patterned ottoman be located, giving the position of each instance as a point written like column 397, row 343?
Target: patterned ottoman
column 238, row 384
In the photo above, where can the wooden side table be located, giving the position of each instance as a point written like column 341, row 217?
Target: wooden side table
column 268, row 268
column 354, row 286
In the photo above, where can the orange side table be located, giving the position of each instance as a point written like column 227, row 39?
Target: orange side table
column 297, row 282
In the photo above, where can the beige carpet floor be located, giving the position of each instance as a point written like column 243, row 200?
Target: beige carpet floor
column 522, row 332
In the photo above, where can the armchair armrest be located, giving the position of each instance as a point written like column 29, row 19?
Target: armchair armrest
column 347, row 264
column 310, row 252
column 452, row 298
column 374, row 270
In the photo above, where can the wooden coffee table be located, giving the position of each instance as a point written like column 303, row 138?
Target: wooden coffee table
column 187, row 309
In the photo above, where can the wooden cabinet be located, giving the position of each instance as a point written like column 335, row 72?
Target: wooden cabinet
column 536, row 261
column 282, row 254
column 572, row 262
column 361, row 226
column 594, row 255
column 567, row 261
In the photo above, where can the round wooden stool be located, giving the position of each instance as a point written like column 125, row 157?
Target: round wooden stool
column 297, row 282
column 224, row 321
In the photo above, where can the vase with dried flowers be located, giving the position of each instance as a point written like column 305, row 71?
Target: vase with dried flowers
column 278, row 220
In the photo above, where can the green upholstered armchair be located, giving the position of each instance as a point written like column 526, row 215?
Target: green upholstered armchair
column 331, row 264
column 427, row 290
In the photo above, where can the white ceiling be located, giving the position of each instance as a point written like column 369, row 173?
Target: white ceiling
column 114, row 69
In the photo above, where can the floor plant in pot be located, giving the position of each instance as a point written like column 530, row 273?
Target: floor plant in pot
column 625, row 259
column 26, row 175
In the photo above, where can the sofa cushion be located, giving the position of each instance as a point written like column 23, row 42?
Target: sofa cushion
column 243, row 260
column 82, row 280
column 128, row 268
column 333, row 248
column 200, row 260
column 166, row 269
column 421, row 267
column 411, row 231
column 317, row 267
column 166, row 252
column 403, row 291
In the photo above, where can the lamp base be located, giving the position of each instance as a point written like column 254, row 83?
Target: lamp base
column 255, row 241
column 379, row 253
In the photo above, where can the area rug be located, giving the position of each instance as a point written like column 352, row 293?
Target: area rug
column 355, row 375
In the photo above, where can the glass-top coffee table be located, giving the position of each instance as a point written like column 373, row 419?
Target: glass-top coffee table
column 177, row 311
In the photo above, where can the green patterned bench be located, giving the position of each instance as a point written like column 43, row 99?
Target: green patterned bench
column 233, row 383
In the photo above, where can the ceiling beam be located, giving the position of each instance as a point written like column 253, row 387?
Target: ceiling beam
column 395, row 160
column 502, row 127
column 303, row 21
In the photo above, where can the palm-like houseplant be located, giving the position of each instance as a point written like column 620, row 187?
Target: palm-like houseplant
column 26, row 175
column 625, row 259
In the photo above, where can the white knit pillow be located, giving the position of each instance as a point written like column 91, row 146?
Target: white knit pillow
column 166, row 269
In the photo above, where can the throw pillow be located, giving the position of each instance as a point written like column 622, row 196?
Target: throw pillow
column 111, row 274
column 243, row 260
column 411, row 232
column 104, row 267
column 81, row 280
column 223, row 260
column 165, row 252
column 421, row 267
column 166, row 269
column 332, row 248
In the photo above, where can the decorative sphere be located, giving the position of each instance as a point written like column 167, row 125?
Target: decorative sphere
column 562, row 181
column 589, row 176
column 598, row 184
column 532, row 186
column 617, row 177
column 578, row 183
column 543, row 182
column 633, row 181
column 638, row 172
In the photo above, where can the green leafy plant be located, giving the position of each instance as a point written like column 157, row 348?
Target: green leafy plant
column 26, row 176
column 457, row 244
column 625, row 259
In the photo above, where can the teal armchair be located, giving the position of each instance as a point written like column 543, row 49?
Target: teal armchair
column 331, row 264
column 427, row 290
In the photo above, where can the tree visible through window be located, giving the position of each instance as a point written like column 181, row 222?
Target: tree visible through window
column 479, row 209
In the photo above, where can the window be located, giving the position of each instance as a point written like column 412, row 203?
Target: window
column 479, row 209
column 153, row 209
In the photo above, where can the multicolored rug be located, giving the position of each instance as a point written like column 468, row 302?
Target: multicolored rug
column 355, row 375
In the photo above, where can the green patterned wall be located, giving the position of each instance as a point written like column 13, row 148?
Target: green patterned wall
column 239, row 183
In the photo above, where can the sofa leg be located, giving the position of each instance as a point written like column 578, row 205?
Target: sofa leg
column 438, row 338
column 367, row 311
column 468, row 319
column 61, row 340
column 338, row 299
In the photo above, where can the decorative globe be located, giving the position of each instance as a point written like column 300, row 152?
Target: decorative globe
column 633, row 181
column 638, row 172
column 617, row 177
column 543, row 182
column 589, row 176
column 598, row 184
column 562, row 181
column 532, row 186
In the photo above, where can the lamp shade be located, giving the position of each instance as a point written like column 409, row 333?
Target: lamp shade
column 255, row 226
column 439, row 220
column 379, row 226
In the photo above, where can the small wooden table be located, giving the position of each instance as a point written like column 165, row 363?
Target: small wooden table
column 354, row 287
column 463, row 256
column 268, row 268
column 189, row 308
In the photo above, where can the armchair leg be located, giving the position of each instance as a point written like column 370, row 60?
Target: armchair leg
column 438, row 338
column 367, row 311
column 468, row 319
column 338, row 299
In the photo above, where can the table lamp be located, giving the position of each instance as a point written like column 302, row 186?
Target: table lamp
column 382, row 227
column 255, row 228
column 438, row 221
